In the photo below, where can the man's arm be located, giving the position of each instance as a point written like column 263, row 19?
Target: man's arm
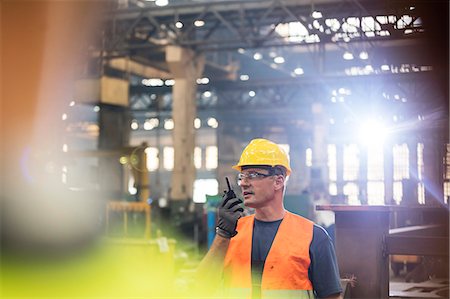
column 209, row 272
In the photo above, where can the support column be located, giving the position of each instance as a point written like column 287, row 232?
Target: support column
column 186, row 67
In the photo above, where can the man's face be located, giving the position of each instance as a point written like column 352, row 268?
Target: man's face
column 257, row 187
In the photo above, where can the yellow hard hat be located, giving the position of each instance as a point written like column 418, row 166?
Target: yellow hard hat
column 263, row 152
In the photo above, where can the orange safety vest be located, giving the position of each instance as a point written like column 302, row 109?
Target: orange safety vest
column 285, row 273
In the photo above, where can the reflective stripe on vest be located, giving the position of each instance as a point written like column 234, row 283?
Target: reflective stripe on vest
column 286, row 267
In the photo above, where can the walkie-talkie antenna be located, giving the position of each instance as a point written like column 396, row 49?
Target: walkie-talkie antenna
column 228, row 184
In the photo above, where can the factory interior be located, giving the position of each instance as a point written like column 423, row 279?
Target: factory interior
column 122, row 119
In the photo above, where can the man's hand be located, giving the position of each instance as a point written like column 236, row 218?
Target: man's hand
column 228, row 214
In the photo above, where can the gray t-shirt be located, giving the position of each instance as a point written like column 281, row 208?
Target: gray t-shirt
column 323, row 270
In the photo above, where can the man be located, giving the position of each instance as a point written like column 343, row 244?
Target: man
column 273, row 253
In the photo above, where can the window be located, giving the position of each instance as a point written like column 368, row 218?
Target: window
column 351, row 162
column 211, row 157
column 401, row 162
column 375, row 193
column 420, row 186
column 397, row 191
column 332, row 169
column 205, row 187
column 375, row 167
column 308, row 157
column 401, row 169
column 169, row 156
column 198, row 157
column 420, row 148
column 375, row 175
column 332, row 189
column 286, row 148
column 152, row 158
column 351, row 190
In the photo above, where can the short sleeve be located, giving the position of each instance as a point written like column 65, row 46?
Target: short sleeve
column 323, row 270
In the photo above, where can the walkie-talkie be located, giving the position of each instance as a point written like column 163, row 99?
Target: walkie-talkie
column 230, row 193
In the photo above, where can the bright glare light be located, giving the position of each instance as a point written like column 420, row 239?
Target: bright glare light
column 64, row 116
column 72, row 103
column 241, row 51
column 257, row 56
column 385, row 67
column 278, row 60
column 251, row 93
column 169, row 82
column 207, row 94
column 348, row 56
column 316, row 15
column 169, row 124
column 197, row 123
column 96, row 109
column 299, row 71
column 199, row 23
column 372, row 133
column 203, row 80
column 134, row 125
column 244, row 77
column 212, row 122
column 148, row 125
column 162, row 2
column 363, row 55
column 179, row 25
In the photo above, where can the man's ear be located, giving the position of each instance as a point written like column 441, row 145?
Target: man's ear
column 279, row 182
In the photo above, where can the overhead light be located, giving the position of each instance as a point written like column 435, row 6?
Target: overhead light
column 204, row 80
column 134, row 125
column 299, row 71
column 368, row 68
column 273, row 54
column 72, row 103
column 385, row 67
column 96, row 109
column 278, row 60
column 273, row 65
column 363, row 55
column 148, row 125
column 197, row 123
column 199, row 23
column 257, row 56
column 179, row 25
column 64, row 116
column 347, row 55
column 162, row 2
column 316, row 15
column 65, row 148
column 169, row 82
column 169, row 124
column 207, row 94
column 212, row 122
column 244, row 77
column 241, row 50
column 251, row 93
column 153, row 82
